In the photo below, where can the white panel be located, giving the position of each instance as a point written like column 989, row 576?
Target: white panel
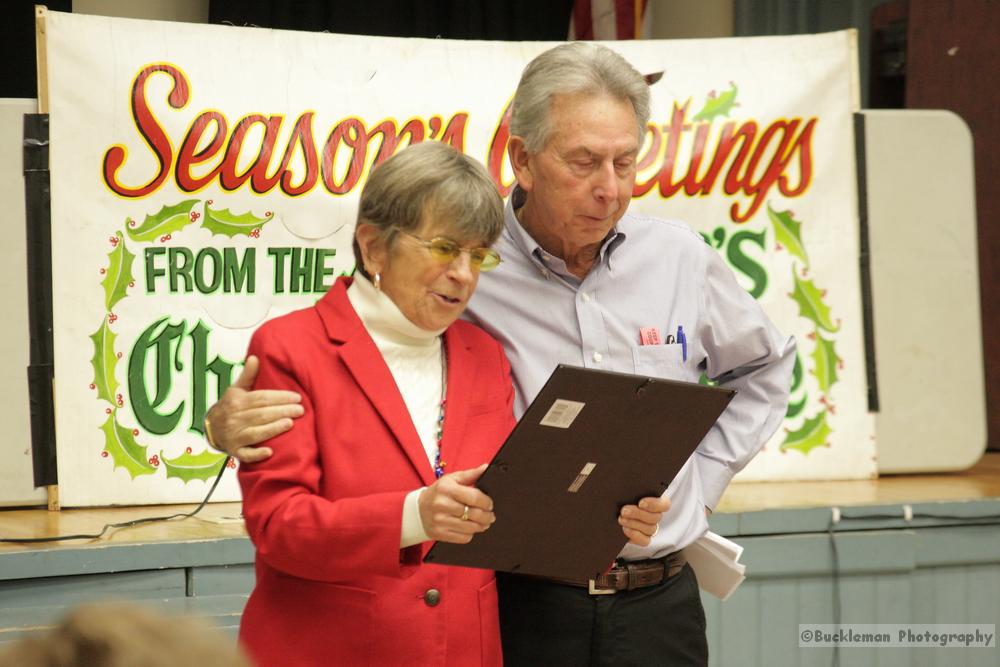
column 925, row 291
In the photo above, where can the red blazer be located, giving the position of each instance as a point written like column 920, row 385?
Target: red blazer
column 325, row 511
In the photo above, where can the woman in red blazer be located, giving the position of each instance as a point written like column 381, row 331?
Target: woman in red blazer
column 346, row 507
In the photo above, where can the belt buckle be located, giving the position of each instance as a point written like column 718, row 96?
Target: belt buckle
column 594, row 590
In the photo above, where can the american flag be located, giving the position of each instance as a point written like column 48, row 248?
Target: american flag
column 603, row 20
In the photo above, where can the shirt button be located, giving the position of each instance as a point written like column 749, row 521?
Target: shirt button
column 585, row 296
column 432, row 597
column 598, row 357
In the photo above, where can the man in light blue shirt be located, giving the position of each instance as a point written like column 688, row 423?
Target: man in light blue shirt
column 585, row 282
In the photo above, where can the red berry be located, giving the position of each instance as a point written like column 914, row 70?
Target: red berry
column 135, row 431
column 93, row 386
column 107, row 411
column 104, row 454
column 188, row 450
column 209, row 202
column 268, row 214
column 103, row 271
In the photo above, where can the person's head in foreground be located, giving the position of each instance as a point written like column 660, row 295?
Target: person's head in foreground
column 124, row 635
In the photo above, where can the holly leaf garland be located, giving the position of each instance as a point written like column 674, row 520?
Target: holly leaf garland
column 167, row 220
column 718, row 105
column 225, row 222
column 119, row 273
column 203, row 465
column 825, row 357
column 795, row 407
column 811, row 306
column 788, row 232
column 104, row 362
column 811, row 435
column 123, row 448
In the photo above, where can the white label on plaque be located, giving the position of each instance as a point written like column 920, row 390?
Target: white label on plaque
column 562, row 413
column 581, row 478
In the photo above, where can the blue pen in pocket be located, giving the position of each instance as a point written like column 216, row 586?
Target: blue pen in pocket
column 682, row 339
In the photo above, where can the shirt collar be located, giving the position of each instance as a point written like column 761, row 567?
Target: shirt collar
column 520, row 236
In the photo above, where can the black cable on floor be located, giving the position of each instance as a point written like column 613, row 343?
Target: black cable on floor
column 123, row 524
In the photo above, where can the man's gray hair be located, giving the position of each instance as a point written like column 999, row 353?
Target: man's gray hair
column 434, row 178
column 573, row 68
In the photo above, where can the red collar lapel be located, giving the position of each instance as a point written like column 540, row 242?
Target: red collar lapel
column 461, row 389
column 364, row 361
column 369, row 370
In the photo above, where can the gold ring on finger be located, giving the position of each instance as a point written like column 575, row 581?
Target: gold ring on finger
column 465, row 513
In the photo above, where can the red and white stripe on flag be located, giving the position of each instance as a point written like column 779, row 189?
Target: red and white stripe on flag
column 604, row 20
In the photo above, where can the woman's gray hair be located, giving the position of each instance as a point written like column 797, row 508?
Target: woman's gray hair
column 433, row 178
column 576, row 67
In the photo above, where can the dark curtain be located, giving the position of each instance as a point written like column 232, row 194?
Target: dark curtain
column 512, row 20
column 18, row 71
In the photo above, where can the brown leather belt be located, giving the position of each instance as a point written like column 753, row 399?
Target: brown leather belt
column 625, row 575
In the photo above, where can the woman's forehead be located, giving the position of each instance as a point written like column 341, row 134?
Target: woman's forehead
column 434, row 224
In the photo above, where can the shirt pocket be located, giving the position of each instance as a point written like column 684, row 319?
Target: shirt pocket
column 660, row 361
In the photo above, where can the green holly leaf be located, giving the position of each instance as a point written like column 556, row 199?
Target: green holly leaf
column 718, row 105
column 203, row 465
column 811, row 306
column 121, row 445
column 795, row 409
column 223, row 221
column 812, row 434
column 104, row 362
column 826, row 360
column 787, row 232
column 119, row 273
column 167, row 220
column 706, row 381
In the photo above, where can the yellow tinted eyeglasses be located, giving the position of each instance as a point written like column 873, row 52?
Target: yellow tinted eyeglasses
column 446, row 251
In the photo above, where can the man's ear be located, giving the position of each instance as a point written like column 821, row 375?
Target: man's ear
column 372, row 245
column 521, row 162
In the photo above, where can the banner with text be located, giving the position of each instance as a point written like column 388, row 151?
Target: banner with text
column 205, row 178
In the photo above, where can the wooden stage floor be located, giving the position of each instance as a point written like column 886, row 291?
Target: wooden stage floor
column 220, row 520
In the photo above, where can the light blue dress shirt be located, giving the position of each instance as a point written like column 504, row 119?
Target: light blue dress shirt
column 650, row 273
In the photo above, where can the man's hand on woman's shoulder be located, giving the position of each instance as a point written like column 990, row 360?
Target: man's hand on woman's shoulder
column 243, row 418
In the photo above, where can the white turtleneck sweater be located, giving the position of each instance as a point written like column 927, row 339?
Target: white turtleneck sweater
column 415, row 359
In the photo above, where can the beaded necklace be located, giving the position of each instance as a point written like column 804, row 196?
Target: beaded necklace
column 440, row 465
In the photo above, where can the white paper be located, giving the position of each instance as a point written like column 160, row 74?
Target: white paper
column 715, row 561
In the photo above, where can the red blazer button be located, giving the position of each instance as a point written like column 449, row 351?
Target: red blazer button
column 432, row 597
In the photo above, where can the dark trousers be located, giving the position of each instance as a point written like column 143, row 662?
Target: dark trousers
column 551, row 625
